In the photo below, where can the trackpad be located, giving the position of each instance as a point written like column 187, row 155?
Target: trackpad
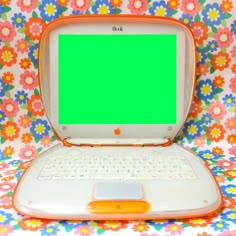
column 118, row 191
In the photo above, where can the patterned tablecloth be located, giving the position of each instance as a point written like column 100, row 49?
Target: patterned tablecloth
column 210, row 130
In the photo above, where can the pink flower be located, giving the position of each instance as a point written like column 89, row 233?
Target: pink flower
column 28, row 152
column 81, row 5
column 228, row 233
column 25, row 121
column 9, row 107
column 226, row 164
column 174, row 229
column 233, row 52
column 3, row 166
column 29, row 80
column 202, row 69
column 7, row 31
column 84, row 230
column 46, row 141
column 190, row 7
column 232, row 151
column 6, row 230
column 224, row 37
column 137, row 6
column 217, row 110
column 6, row 202
column 27, row 5
column 22, row 46
column 7, row 186
column 232, row 85
column 146, row 234
column 230, row 123
column 199, row 141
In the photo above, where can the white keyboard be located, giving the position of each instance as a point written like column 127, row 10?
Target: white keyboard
column 117, row 168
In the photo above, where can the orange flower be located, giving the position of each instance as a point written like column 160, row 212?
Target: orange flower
column 7, row 56
column 63, row 3
column 231, row 139
column 141, row 227
column 32, row 224
column 196, row 222
column 215, row 132
column 204, row 234
column 220, row 61
column 114, row 225
column 8, row 77
column 25, row 63
column 35, row 105
column 8, row 151
column 200, row 32
column 173, row 4
column 34, row 27
column 5, row 2
column 226, row 5
column 218, row 81
column 230, row 173
column 116, row 3
column 26, row 138
column 196, row 107
column 10, row 131
column 217, row 151
column 233, row 68
column 229, row 202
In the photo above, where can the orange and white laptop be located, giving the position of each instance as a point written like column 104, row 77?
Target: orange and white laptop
column 117, row 90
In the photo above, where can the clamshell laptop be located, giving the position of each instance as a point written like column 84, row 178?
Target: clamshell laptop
column 117, row 90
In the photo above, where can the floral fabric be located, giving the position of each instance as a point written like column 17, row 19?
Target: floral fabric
column 210, row 130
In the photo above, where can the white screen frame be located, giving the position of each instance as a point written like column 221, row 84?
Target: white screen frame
column 95, row 25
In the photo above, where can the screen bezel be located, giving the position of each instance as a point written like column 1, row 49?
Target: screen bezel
column 49, row 74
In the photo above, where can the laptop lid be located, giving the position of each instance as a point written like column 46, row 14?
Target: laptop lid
column 109, row 79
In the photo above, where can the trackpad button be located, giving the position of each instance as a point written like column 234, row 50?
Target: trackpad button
column 118, row 191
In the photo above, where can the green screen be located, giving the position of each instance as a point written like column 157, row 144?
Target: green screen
column 117, row 79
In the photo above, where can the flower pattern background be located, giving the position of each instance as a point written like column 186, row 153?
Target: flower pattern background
column 209, row 131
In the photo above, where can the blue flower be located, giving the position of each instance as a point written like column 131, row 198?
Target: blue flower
column 77, row 12
column 229, row 215
column 21, row 97
column 49, row 10
column 18, row 20
column 49, row 231
column 5, row 218
column 229, row 190
column 1, row 9
column 229, row 100
column 158, row 225
column 212, row 14
column 39, row 128
column 207, row 155
column 205, row 89
column 186, row 19
column 220, row 226
column 192, row 129
column 103, row 7
column 160, row 9
column 3, row 88
column 33, row 55
column 212, row 46
column 2, row 116
column 217, row 170
column 202, row 55
column 15, row 163
column 206, row 119
column 233, row 27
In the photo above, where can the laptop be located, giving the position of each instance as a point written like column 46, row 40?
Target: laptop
column 117, row 90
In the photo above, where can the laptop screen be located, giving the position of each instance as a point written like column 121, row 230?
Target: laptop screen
column 117, row 79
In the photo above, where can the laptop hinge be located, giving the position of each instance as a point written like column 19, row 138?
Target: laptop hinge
column 163, row 142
